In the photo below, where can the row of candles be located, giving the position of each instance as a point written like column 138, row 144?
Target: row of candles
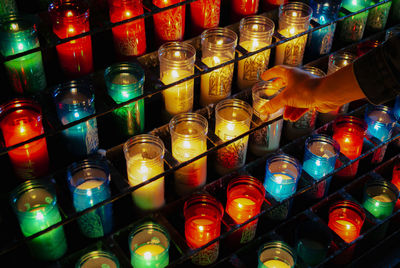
column 35, row 204
column 70, row 18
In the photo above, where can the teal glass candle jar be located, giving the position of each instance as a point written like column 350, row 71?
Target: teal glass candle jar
column 26, row 73
column 124, row 82
column 35, row 204
column 98, row 258
column 276, row 254
column 149, row 246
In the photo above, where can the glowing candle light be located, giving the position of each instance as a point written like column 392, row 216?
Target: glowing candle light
column 232, row 118
column 203, row 214
column 218, row 46
column 98, row 258
column 176, row 63
column 205, row 14
column 144, row 156
column 70, row 18
column 276, row 254
column 149, row 246
column 346, row 219
column 35, row 204
column 243, row 8
column 352, row 29
column 255, row 33
column 189, row 139
column 129, row 38
column 21, row 120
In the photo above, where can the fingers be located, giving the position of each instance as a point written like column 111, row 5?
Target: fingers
column 279, row 71
column 293, row 114
column 274, row 105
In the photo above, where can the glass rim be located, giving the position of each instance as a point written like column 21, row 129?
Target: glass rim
column 221, row 31
column 183, row 45
column 61, row 89
column 287, row 158
column 188, row 117
column 313, row 70
column 348, row 204
column 26, row 20
column 97, row 253
column 382, row 183
column 56, row 8
column 203, row 198
column 125, row 67
column 349, row 119
column 145, row 138
column 254, row 20
column 322, row 138
column 249, row 180
column 237, row 103
column 20, row 104
column 382, row 108
column 300, row 6
column 342, row 55
column 100, row 164
column 264, row 85
column 277, row 244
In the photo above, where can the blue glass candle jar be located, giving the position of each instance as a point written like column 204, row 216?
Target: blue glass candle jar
column 98, row 258
column 282, row 175
column 26, row 73
column 352, row 29
column 380, row 122
column 35, row 204
column 75, row 100
column 320, row 41
column 321, row 152
column 89, row 183
column 124, row 82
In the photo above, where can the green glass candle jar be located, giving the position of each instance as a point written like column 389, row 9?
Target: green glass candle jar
column 98, row 258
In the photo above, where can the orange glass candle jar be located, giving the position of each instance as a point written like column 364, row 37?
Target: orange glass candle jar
column 21, row 120
column 71, row 18
column 204, row 14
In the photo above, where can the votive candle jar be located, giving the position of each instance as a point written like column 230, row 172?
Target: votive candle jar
column 218, row 46
column 243, row 8
column 129, row 38
column 189, row 139
column 203, row 214
column 378, row 16
column 232, row 118
column 349, row 133
column 20, row 120
column 321, row 153
column 255, row 33
column 380, row 123
column 276, row 254
column 346, row 219
column 352, row 29
column 149, row 245
column 266, row 139
column 89, row 184
column 26, row 74
column 282, row 175
column 380, row 198
column 35, row 205
column 366, row 46
column 98, row 258
column 294, row 18
column 144, row 155
column 169, row 25
column 124, row 82
column 205, row 14
column 74, row 100
column 176, row 63
column 8, row 7
column 306, row 123
column 71, row 18
column 245, row 196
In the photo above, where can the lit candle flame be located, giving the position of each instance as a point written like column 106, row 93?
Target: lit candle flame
column 147, row 255
column 174, row 73
column 292, row 31
column 70, row 14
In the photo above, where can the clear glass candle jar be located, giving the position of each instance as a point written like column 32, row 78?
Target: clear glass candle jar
column 243, row 8
column 276, row 254
column 129, row 38
column 21, row 120
column 71, row 18
column 294, row 18
column 205, row 14
column 98, row 258
column 378, row 16
column 281, row 176
column 35, row 205
column 89, row 184
column 169, row 25
column 144, row 155
column 245, row 196
column 346, row 219
column 176, row 63
column 268, row 138
column 124, row 82
column 255, row 33
column 203, row 214
column 74, row 100
column 232, row 118
column 26, row 73
column 149, row 246
column 352, row 29
column 189, row 139
column 321, row 153
column 218, row 46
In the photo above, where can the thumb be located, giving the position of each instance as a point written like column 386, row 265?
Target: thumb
column 274, row 104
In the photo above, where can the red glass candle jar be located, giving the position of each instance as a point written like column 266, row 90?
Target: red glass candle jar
column 169, row 25
column 129, row 38
column 203, row 214
column 366, row 46
column 204, row 14
column 70, row 18
column 349, row 132
column 243, row 8
column 21, row 120
column 346, row 219
column 245, row 196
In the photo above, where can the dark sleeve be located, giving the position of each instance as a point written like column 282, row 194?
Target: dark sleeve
column 378, row 71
